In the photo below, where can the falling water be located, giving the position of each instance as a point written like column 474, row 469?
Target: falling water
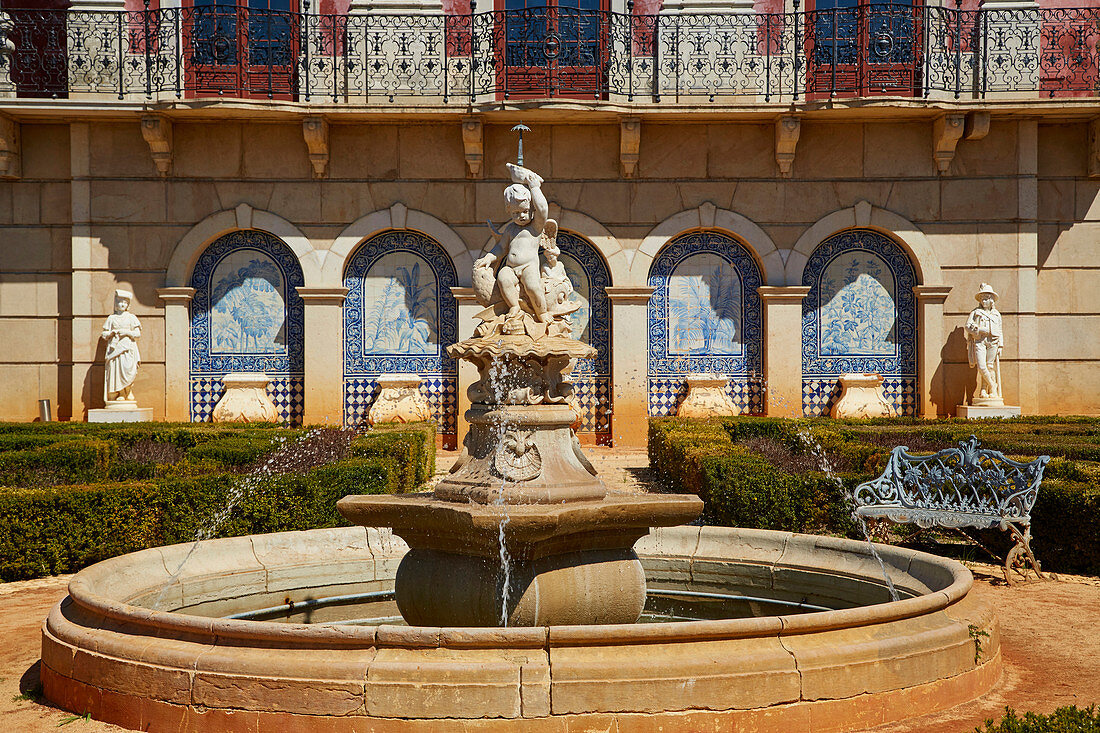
column 317, row 447
column 498, row 381
column 804, row 435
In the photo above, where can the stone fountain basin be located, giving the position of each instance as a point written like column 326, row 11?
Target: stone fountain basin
column 123, row 650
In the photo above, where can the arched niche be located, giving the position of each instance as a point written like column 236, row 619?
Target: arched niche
column 246, row 316
column 859, row 316
column 704, row 317
column 399, row 317
column 590, row 277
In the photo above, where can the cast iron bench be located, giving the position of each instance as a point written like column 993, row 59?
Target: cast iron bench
column 968, row 486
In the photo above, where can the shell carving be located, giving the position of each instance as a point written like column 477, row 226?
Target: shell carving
column 517, row 457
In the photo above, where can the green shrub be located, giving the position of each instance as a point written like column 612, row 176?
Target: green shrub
column 47, row 530
column 1070, row 719
column 80, row 460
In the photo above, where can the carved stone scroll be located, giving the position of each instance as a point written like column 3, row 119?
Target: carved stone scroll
column 787, row 130
column 315, row 132
column 473, row 145
column 630, row 142
column 11, row 158
column 157, row 132
column 946, row 133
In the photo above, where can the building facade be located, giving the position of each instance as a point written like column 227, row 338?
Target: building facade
column 780, row 195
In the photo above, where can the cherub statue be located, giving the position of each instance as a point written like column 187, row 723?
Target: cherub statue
column 516, row 251
column 555, row 281
column 121, row 331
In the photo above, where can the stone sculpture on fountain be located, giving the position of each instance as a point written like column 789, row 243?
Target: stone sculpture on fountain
column 521, row 531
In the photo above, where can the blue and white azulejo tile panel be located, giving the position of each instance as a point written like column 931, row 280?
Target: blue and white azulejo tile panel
column 859, row 316
column 591, row 324
column 704, row 316
column 246, row 316
column 399, row 317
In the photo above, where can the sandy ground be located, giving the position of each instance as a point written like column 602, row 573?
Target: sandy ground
column 1050, row 637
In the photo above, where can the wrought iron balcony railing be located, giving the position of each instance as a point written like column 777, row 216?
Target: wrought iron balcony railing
column 873, row 49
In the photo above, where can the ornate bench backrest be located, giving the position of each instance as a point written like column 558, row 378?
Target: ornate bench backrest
column 968, row 480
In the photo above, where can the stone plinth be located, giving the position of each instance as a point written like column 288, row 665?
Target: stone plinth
column 245, row 399
column 399, row 400
column 971, row 412
column 121, row 412
column 707, row 396
column 861, row 395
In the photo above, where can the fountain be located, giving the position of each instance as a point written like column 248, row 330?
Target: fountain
column 522, row 520
column 355, row 629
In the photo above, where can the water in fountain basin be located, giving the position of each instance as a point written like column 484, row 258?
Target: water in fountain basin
column 317, row 447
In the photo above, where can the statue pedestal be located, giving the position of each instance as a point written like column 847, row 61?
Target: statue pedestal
column 861, row 396
column 121, row 413
column 245, row 399
column 707, row 397
column 971, row 412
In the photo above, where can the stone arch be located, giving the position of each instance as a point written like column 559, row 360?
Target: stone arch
column 705, row 316
column 199, row 237
column 859, row 315
column 397, row 216
column 402, row 327
column 247, row 316
column 866, row 216
column 708, row 216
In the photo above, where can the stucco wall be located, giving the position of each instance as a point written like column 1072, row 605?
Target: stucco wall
column 90, row 213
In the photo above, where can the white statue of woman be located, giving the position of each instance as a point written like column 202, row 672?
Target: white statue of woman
column 121, row 331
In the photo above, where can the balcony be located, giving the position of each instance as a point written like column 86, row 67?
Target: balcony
column 220, row 50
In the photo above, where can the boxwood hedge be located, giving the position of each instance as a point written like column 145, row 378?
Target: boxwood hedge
column 69, row 498
column 752, row 472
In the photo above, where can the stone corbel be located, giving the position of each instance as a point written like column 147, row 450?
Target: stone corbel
column 946, row 133
column 1094, row 148
column 157, row 132
column 630, row 143
column 11, row 158
column 787, row 130
column 315, row 132
column 977, row 126
column 473, row 146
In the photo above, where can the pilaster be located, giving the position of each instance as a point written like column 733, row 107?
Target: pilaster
column 177, row 352
column 782, row 307
column 324, row 353
column 468, row 308
column 1027, row 270
column 86, row 391
column 629, row 365
column 931, row 396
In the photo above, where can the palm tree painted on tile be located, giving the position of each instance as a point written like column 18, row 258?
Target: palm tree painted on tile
column 857, row 306
column 704, row 307
column 402, row 317
column 248, row 314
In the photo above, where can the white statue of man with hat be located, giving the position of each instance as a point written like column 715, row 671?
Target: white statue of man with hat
column 121, row 331
column 985, row 341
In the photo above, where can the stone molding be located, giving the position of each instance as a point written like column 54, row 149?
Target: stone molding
column 932, row 294
column 865, row 216
column 243, row 216
column 397, row 216
column 321, row 295
column 157, row 132
column 176, row 295
column 464, row 295
column 783, row 293
column 629, row 294
column 708, row 216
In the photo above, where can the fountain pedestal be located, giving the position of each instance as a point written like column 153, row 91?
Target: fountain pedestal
column 522, row 531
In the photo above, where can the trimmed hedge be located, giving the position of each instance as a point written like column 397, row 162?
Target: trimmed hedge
column 1069, row 719
column 720, row 461
column 126, row 504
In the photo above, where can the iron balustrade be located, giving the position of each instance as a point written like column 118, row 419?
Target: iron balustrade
column 863, row 50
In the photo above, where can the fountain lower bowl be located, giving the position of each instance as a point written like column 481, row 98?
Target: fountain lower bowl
column 128, row 650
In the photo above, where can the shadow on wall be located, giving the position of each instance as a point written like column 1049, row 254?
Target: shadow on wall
column 953, row 394
column 91, row 394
